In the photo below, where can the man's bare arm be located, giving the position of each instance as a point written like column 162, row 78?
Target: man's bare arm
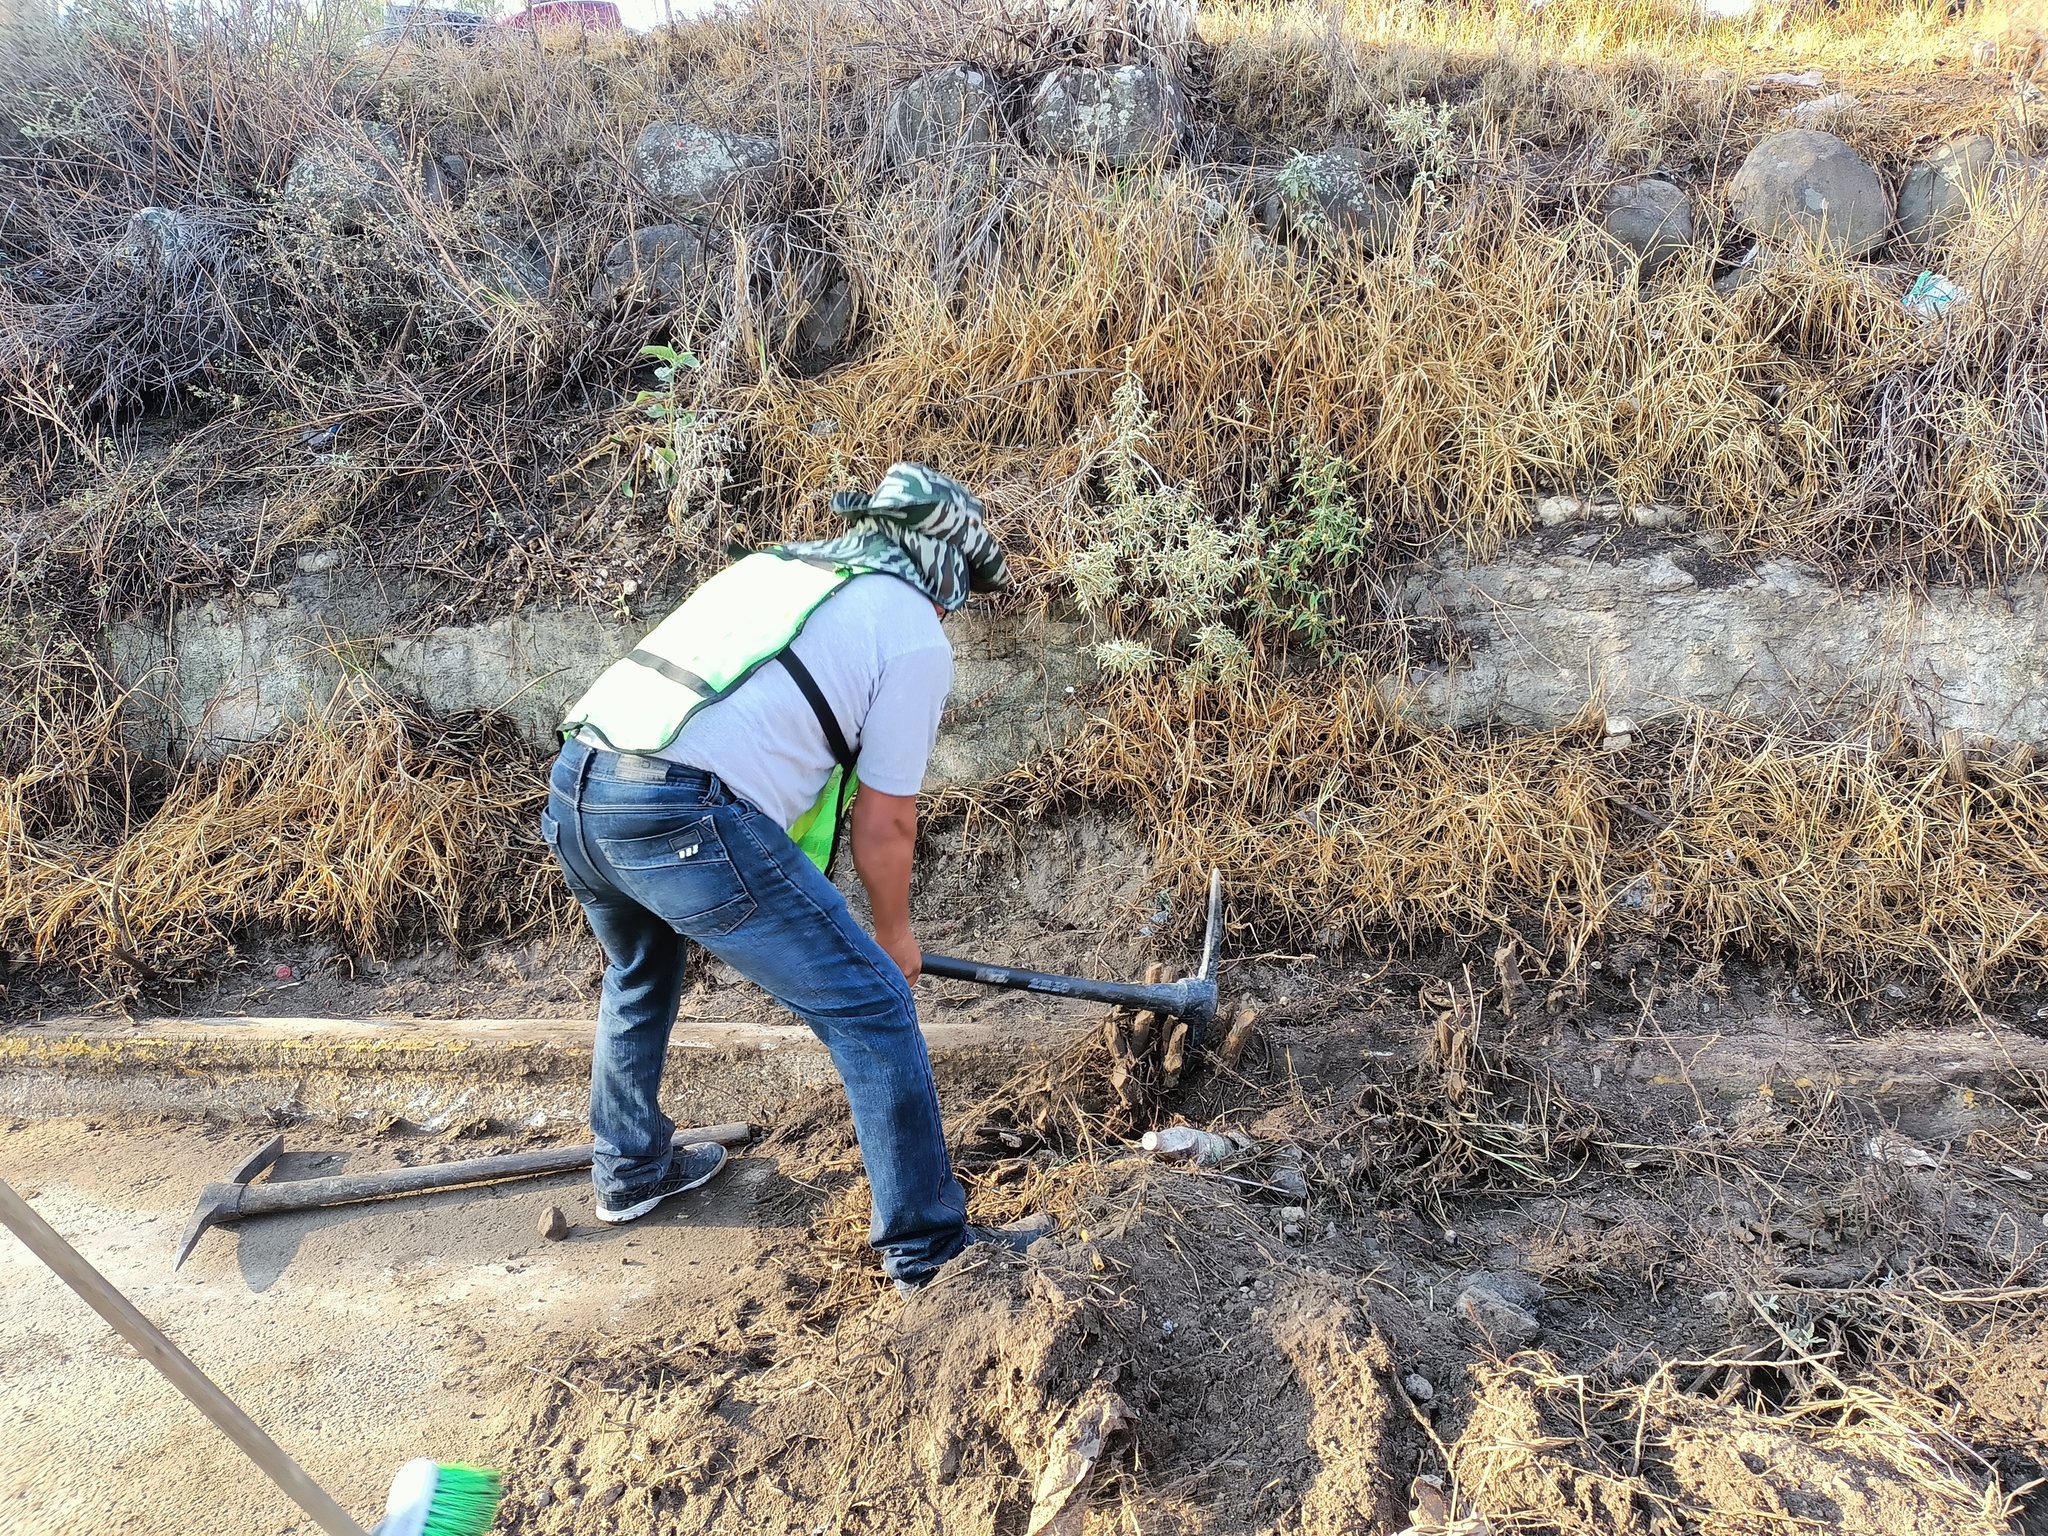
column 884, row 841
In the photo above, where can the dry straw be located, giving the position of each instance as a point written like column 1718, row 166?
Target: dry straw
column 1496, row 352
column 366, row 825
column 1863, row 858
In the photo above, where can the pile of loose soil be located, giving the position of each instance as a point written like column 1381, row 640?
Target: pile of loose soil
column 1435, row 1290
column 1234, row 1399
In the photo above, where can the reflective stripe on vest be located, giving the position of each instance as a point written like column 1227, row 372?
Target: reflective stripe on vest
column 722, row 634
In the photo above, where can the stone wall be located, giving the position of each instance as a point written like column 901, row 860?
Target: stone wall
column 1541, row 633
column 1532, row 638
column 231, row 671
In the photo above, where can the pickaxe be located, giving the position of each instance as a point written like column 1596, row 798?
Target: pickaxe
column 237, row 1196
column 1192, row 997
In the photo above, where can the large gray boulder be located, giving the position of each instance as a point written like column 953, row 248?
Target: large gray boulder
column 157, row 237
column 949, row 116
column 1653, row 217
column 691, row 167
column 683, row 265
column 352, row 179
column 1940, row 190
column 1125, row 114
column 1334, row 193
column 1802, row 184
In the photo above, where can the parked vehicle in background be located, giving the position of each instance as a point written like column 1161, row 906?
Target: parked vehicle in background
column 591, row 15
column 416, row 23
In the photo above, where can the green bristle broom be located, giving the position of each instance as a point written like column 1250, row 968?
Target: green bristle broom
column 426, row 1499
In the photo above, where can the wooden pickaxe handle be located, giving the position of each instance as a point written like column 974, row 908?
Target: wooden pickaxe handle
column 70, row 1266
column 349, row 1188
column 236, row 1197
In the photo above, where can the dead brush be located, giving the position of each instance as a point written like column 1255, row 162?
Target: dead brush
column 434, row 340
column 1036, row 1142
column 1339, row 819
column 1496, row 356
column 65, row 770
column 455, row 352
column 848, row 1274
column 1861, row 32
column 364, row 823
column 1867, row 858
column 1018, row 37
column 1921, row 1355
column 1463, row 1115
column 1860, row 855
column 1549, row 1450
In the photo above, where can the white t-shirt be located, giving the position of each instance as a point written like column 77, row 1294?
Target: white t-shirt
column 885, row 666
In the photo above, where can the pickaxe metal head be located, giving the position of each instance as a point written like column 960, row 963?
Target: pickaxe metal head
column 222, row 1201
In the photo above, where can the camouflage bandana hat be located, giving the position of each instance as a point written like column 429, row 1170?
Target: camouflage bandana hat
column 922, row 526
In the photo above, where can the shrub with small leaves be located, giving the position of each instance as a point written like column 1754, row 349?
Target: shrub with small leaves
column 1096, row 577
column 1162, row 555
column 1424, row 132
column 1318, row 535
column 1165, row 563
column 1220, row 656
column 1126, row 658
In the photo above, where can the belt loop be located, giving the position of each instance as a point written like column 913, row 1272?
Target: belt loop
column 583, row 777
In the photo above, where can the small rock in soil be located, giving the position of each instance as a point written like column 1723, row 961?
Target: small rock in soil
column 668, row 264
column 1652, row 217
column 554, row 1226
column 1507, row 1323
column 1936, row 198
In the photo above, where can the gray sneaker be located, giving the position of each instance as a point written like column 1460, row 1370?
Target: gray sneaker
column 690, row 1168
column 1017, row 1236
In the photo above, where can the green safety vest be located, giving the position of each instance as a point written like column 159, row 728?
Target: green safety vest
column 727, row 630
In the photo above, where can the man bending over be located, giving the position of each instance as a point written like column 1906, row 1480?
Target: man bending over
column 699, row 795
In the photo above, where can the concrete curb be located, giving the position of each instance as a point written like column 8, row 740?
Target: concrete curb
column 433, row 1073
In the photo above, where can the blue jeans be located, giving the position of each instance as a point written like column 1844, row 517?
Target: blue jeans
column 657, row 853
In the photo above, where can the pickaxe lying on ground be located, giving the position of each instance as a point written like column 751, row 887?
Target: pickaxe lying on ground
column 237, row 1197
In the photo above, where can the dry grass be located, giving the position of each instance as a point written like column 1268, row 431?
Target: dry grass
column 1556, row 1452
column 1861, row 858
column 1885, row 1406
column 1863, row 861
column 1494, row 356
column 162, row 421
column 366, row 825
column 1865, row 33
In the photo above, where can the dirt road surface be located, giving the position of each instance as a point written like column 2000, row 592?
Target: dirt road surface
column 359, row 1337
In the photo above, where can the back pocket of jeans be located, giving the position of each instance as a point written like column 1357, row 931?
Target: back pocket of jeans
column 683, row 876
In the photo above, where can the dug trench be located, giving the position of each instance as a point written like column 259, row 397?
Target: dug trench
column 1480, row 1259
